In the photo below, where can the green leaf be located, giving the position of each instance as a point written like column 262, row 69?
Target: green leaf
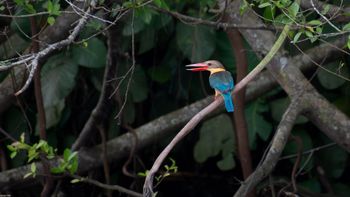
column 53, row 113
column 13, row 154
column 296, row 37
column 139, row 86
column 11, row 148
column 33, row 168
column 326, row 8
column 74, row 166
column 309, row 34
column 51, row 20
column 53, row 7
column 41, row 143
column 282, row 19
column 328, row 76
column 215, row 134
column 257, row 125
column 66, row 154
column 269, row 13
column 58, row 80
column 197, row 43
column 145, row 14
column 92, row 56
column 138, row 25
column 32, row 154
column 346, row 27
column 243, row 7
column 314, row 22
column 29, row 8
column 161, row 4
column 348, row 43
column 56, row 170
column 264, row 5
column 279, row 106
column 293, row 9
column 73, row 155
column 227, row 163
column 158, row 2
column 333, row 161
column 22, row 138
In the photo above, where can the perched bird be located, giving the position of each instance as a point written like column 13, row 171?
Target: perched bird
column 219, row 79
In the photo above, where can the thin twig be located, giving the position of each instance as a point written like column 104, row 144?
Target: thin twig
column 309, row 151
column 325, row 18
column 106, row 186
column 299, row 143
column 52, row 47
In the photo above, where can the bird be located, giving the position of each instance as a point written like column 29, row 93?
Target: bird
column 220, row 80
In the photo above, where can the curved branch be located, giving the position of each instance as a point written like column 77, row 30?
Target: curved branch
column 148, row 185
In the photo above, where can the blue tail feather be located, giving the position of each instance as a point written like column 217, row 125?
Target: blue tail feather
column 228, row 102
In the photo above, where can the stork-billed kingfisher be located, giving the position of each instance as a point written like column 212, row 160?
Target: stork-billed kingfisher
column 220, row 80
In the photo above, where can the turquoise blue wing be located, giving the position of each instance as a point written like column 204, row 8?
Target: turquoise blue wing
column 221, row 81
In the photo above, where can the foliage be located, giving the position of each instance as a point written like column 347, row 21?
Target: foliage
column 43, row 149
column 216, row 136
column 72, row 79
column 169, row 170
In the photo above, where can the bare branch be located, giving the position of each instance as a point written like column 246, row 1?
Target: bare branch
column 52, row 47
column 107, row 186
column 278, row 143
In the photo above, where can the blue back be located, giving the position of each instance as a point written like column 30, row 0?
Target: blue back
column 221, row 81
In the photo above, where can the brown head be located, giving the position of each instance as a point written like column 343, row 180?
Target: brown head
column 212, row 66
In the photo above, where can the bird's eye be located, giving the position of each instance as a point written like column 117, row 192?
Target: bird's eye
column 209, row 64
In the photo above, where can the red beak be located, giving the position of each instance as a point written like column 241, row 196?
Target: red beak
column 199, row 67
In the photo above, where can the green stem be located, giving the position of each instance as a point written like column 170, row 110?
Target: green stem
column 264, row 61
